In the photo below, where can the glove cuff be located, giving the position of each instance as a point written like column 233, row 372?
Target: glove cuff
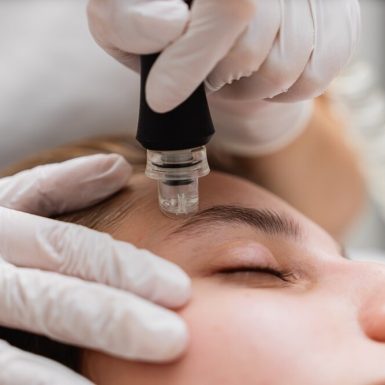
column 269, row 128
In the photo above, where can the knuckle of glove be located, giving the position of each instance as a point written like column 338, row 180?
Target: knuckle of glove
column 133, row 27
column 56, row 241
column 235, row 66
column 29, row 191
column 26, row 192
column 44, row 191
column 340, row 36
column 96, row 11
column 62, row 245
column 240, row 10
column 75, row 250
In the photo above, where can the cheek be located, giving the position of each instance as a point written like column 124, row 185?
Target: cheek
column 238, row 336
column 257, row 337
column 228, row 341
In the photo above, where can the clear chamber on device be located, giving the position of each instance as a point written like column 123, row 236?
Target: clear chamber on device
column 178, row 173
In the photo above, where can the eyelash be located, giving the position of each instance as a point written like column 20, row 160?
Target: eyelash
column 285, row 276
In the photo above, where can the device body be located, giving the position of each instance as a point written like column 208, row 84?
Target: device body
column 176, row 156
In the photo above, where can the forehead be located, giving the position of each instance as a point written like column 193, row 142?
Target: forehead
column 215, row 189
column 145, row 226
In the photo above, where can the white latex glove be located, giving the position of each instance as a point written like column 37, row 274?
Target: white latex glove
column 286, row 49
column 256, row 128
column 74, row 284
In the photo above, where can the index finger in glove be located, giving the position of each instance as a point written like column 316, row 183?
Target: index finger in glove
column 36, row 242
column 214, row 27
column 20, row 368
column 60, row 187
column 88, row 314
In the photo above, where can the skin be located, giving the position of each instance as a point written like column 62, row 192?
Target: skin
column 323, row 324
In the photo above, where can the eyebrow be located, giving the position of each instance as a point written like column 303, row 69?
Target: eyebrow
column 267, row 221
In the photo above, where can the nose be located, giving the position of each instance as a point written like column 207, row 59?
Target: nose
column 373, row 320
column 372, row 314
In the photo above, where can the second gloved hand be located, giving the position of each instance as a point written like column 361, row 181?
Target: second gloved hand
column 257, row 127
column 77, row 285
column 289, row 50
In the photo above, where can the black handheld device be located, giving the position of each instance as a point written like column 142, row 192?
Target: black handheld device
column 175, row 143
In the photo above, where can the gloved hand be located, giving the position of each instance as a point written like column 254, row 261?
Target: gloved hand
column 256, row 127
column 74, row 284
column 289, row 50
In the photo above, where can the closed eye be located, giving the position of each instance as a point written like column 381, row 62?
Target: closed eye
column 285, row 276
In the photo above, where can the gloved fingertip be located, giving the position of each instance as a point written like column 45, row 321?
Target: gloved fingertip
column 171, row 343
column 159, row 101
column 114, row 170
column 177, row 288
column 98, row 176
column 112, row 165
column 164, row 92
column 178, row 341
column 119, row 164
column 184, row 291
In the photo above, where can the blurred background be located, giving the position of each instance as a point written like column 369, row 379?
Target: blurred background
column 367, row 84
column 47, row 55
column 372, row 46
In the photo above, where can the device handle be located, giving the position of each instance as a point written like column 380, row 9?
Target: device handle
column 187, row 126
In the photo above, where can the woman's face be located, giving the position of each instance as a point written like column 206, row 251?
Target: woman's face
column 274, row 302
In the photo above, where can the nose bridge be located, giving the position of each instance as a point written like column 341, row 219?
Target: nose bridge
column 369, row 283
column 371, row 276
column 361, row 279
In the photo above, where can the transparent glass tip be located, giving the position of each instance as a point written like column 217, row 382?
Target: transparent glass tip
column 178, row 198
column 177, row 173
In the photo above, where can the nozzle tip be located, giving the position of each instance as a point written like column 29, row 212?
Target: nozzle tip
column 178, row 197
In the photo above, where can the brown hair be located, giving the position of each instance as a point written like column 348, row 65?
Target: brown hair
column 122, row 145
